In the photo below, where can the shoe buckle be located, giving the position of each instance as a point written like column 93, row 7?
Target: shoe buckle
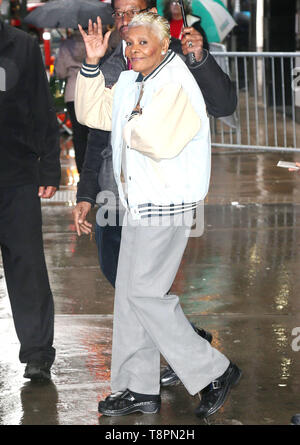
column 128, row 395
column 216, row 384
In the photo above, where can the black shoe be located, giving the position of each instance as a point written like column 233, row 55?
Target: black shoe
column 204, row 334
column 295, row 420
column 126, row 403
column 168, row 376
column 214, row 395
column 38, row 371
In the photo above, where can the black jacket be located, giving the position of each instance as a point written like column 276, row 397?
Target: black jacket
column 218, row 92
column 29, row 133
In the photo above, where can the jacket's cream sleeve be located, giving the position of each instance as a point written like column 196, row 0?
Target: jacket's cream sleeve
column 93, row 102
column 165, row 126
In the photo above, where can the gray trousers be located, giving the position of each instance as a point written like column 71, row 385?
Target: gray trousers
column 148, row 321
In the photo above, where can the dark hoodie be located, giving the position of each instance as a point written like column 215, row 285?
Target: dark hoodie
column 29, row 133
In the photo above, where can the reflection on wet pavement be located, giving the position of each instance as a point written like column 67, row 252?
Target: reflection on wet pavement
column 240, row 281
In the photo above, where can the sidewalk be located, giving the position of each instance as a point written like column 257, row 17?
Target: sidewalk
column 240, row 281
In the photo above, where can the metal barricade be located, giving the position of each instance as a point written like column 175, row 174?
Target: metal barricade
column 268, row 111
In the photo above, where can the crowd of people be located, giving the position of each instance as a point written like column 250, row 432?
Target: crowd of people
column 139, row 111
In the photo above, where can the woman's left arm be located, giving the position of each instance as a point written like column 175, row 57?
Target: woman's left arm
column 165, row 126
column 93, row 101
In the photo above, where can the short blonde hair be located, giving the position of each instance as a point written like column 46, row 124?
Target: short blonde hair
column 154, row 20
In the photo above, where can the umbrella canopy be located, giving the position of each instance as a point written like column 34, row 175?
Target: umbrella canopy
column 215, row 18
column 69, row 13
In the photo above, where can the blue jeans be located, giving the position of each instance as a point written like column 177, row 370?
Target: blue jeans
column 108, row 239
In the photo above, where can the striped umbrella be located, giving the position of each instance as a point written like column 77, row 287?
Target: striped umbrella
column 215, row 18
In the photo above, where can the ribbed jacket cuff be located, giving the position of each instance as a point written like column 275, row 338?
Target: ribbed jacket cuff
column 89, row 70
column 85, row 199
column 202, row 61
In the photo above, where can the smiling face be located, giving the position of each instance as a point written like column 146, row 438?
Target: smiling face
column 128, row 5
column 145, row 49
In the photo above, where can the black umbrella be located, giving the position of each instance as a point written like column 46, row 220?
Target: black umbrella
column 191, row 56
column 69, row 13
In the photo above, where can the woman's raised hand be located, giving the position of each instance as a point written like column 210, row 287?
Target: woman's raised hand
column 95, row 44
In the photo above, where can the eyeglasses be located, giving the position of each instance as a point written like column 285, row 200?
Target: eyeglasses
column 175, row 3
column 118, row 15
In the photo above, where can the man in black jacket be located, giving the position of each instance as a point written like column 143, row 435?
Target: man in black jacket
column 97, row 175
column 29, row 170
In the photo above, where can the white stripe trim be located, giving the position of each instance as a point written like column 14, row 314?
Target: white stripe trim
column 147, row 206
column 155, row 210
column 88, row 73
column 87, row 68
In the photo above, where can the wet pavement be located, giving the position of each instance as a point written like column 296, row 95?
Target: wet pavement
column 240, row 281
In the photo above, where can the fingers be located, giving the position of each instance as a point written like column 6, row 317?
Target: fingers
column 191, row 31
column 90, row 27
column 193, row 36
column 49, row 192
column 99, row 23
column 93, row 28
column 86, row 227
column 79, row 214
column 192, row 42
column 106, row 38
column 295, row 169
column 82, row 32
column 41, row 191
column 46, row 192
column 76, row 215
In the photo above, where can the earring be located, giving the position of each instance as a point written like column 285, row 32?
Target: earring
column 163, row 53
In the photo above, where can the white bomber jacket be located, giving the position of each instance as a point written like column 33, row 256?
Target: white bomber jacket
column 167, row 147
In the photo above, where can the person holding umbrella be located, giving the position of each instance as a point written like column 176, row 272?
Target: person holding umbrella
column 172, row 12
column 67, row 14
column 161, row 161
column 97, row 173
column 67, row 65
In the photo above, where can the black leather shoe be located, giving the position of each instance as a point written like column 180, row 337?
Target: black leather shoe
column 38, row 371
column 214, row 395
column 168, row 376
column 126, row 403
column 295, row 420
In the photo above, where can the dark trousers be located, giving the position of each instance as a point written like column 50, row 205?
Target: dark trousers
column 108, row 239
column 25, row 272
column 80, row 135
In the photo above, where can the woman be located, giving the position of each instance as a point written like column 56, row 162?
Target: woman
column 172, row 12
column 67, row 65
column 161, row 157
